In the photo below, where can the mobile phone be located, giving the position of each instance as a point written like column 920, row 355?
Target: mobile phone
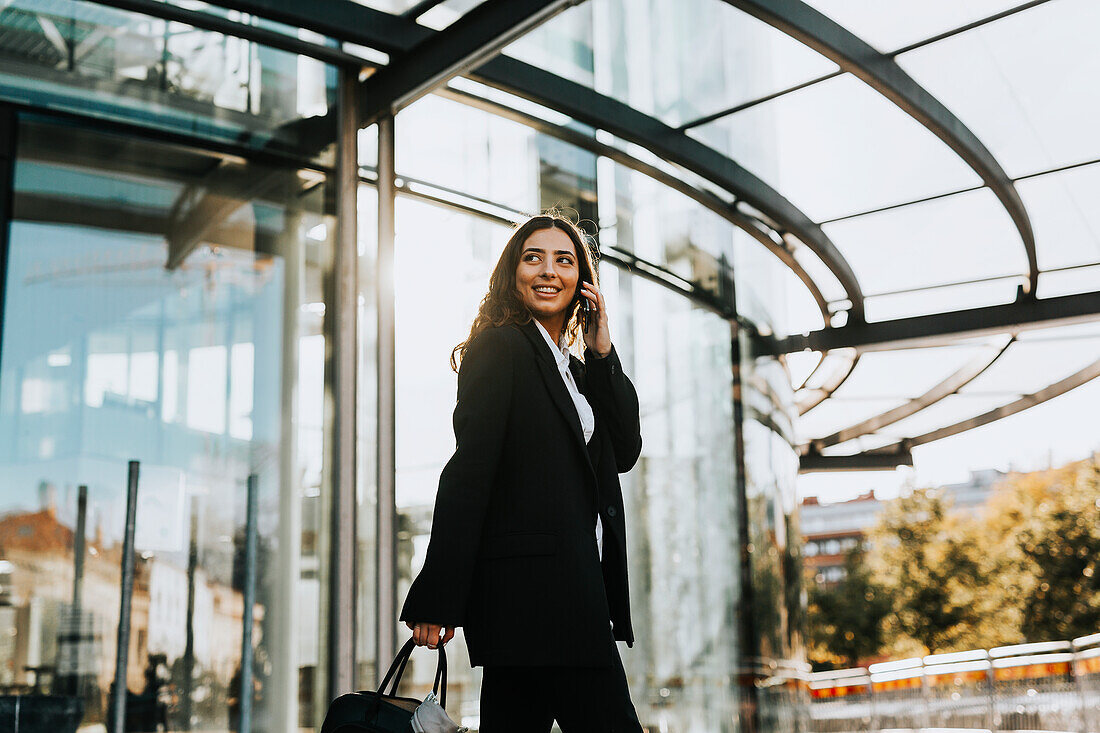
column 588, row 312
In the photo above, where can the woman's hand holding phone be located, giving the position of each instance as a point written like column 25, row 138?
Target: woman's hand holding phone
column 597, row 335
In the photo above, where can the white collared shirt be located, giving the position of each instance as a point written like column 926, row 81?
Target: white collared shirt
column 584, row 410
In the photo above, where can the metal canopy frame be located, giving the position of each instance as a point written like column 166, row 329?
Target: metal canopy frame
column 602, row 112
column 948, row 386
column 941, row 328
column 438, row 55
column 1049, row 392
column 464, row 44
column 883, row 74
column 398, row 36
column 756, row 228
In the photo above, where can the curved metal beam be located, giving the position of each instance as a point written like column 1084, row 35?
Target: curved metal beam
column 949, row 386
column 943, row 328
column 1030, row 400
column 623, row 121
column 884, row 75
column 755, row 228
column 832, row 384
column 466, row 43
column 396, row 35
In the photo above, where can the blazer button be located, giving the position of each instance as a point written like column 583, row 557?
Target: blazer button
column 611, row 511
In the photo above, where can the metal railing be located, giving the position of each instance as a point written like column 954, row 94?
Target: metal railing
column 1047, row 686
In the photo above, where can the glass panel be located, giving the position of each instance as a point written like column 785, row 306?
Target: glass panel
column 426, row 386
column 835, row 414
column 947, row 411
column 890, row 26
column 563, row 45
column 104, row 62
column 1030, row 366
column 681, row 505
column 1062, row 213
column 771, row 470
column 389, row 6
column 883, row 380
column 940, row 300
column 456, row 146
column 1069, row 282
column 1021, row 93
column 190, row 367
column 683, row 60
column 1046, row 435
column 952, row 239
column 447, row 12
column 366, row 617
column 667, row 228
column 839, row 148
column 1088, row 330
column 801, row 364
column 905, row 373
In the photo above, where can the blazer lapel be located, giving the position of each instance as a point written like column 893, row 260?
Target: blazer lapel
column 548, row 368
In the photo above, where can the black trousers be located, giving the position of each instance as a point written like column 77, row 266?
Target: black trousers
column 581, row 699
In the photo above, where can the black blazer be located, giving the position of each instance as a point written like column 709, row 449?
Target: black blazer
column 512, row 556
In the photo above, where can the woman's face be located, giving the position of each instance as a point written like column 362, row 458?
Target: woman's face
column 548, row 271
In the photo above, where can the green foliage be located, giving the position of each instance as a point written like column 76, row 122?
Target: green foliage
column 1026, row 569
column 1057, row 533
column 846, row 619
column 930, row 570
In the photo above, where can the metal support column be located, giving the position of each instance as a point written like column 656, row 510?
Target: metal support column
column 249, row 594
column 748, row 637
column 387, row 471
column 341, row 387
column 282, row 701
column 76, row 637
column 9, row 124
column 187, row 693
column 122, row 647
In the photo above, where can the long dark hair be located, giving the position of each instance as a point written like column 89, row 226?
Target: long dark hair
column 502, row 304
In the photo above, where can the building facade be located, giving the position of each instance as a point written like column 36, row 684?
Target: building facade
column 192, row 218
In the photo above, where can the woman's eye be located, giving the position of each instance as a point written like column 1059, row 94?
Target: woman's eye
column 566, row 260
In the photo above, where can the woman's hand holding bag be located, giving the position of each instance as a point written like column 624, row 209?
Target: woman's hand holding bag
column 376, row 711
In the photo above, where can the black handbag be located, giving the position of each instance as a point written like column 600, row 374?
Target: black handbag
column 375, row 711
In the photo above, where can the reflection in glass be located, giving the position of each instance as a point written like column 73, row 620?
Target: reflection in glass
column 140, row 323
column 435, row 307
column 105, row 62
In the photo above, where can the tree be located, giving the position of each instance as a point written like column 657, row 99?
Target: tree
column 1027, row 568
column 1051, row 520
column 846, row 620
column 930, row 569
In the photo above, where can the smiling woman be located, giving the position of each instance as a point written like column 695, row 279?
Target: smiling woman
column 512, row 545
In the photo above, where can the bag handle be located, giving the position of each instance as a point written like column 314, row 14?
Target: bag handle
column 397, row 671
column 398, row 666
column 441, row 675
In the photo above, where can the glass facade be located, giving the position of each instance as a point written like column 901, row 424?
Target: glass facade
column 169, row 296
column 135, row 331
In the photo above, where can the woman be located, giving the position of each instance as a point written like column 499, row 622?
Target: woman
column 528, row 544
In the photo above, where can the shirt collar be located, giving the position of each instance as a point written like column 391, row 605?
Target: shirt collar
column 560, row 351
